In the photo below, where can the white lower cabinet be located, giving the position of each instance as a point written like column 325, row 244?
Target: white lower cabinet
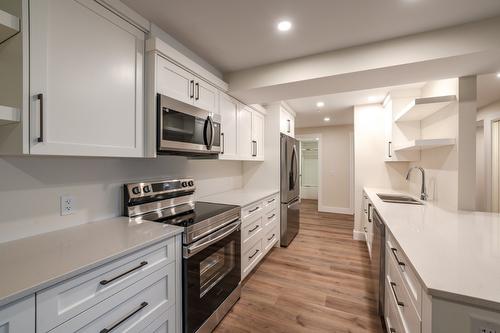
column 139, row 292
column 18, row 317
column 259, row 233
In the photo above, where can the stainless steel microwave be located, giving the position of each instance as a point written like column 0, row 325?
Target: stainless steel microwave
column 185, row 129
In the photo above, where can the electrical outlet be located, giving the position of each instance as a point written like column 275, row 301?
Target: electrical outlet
column 479, row 325
column 67, row 205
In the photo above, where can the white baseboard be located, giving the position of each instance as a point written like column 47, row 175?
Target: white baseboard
column 337, row 210
column 358, row 235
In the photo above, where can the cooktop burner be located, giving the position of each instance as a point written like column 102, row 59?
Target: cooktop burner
column 201, row 212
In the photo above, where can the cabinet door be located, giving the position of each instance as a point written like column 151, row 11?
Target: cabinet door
column 18, row 317
column 388, row 153
column 86, row 81
column 173, row 81
column 245, row 133
column 228, row 109
column 292, row 126
column 206, row 96
column 258, row 135
column 286, row 125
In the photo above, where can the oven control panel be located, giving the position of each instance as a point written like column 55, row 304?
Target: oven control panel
column 171, row 186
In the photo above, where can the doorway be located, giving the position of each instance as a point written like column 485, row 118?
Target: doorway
column 309, row 169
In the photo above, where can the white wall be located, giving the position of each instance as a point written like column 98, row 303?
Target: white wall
column 336, row 167
column 480, row 170
column 370, row 170
column 30, row 187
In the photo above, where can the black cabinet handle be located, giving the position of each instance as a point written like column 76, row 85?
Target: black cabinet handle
column 253, row 210
column 191, row 89
column 369, row 213
column 107, row 330
column 395, row 295
column 272, row 200
column 223, row 143
column 105, row 282
column 400, row 263
column 389, row 148
column 271, row 237
column 270, row 217
column 289, row 126
column 40, row 98
column 254, row 148
column 253, row 255
column 252, row 230
column 197, row 91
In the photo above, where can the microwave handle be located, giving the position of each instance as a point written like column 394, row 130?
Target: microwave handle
column 212, row 131
column 208, row 140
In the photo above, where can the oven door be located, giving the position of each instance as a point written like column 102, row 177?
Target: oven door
column 211, row 271
column 186, row 128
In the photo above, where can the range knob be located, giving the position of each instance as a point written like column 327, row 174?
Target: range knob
column 191, row 183
column 184, row 184
column 146, row 189
column 136, row 190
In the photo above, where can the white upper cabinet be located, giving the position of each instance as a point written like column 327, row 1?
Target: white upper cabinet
column 258, row 136
column 287, row 122
column 206, row 96
column 228, row 110
column 245, row 144
column 86, row 81
column 174, row 81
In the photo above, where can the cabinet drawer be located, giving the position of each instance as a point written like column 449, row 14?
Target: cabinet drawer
column 67, row 299
column 165, row 323
column 251, row 210
column 132, row 309
column 400, row 296
column 270, row 203
column 270, row 217
column 392, row 319
column 251, row 257
column 408, row 275
column 250, row 232
column 271, row 237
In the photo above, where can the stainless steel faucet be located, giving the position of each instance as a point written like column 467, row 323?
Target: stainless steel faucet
column 423, row 191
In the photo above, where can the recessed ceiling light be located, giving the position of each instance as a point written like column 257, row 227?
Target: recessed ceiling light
column 317, row 139
column 498, row 75
column 320, row 104
column 326, row 119
column 284, row 25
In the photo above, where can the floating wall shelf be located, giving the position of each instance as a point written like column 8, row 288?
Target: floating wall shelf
column 9, row 25
column 421, row 108
column 422, row 144
column 9, row 115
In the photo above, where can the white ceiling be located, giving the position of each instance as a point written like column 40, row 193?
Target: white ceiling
column 338, row 107
column 238, row 34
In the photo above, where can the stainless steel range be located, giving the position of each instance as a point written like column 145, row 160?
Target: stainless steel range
column 211, row 269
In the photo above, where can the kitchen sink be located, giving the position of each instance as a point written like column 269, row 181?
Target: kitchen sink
column 397, row 198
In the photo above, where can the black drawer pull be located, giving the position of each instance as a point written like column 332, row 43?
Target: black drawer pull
column 118, row 323
column 252, row 230
column 271, row 237
column 105, row 282
column 270, row 217
column 253, row 210
column 272, row 200
column 396, row 296
column 253, row 255
column 400, row 263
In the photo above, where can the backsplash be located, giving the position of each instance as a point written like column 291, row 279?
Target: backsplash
column 30, row 187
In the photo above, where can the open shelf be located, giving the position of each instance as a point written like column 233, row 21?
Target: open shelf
column 421, row 108
column 422, row 144
column 9, row 25
column 9, row 115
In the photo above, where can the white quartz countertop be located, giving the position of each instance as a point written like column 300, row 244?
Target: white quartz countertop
column 239, row 197
column 456, row 254
column 30, row 264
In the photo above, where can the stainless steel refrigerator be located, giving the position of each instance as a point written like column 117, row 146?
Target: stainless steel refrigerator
column 290, row 200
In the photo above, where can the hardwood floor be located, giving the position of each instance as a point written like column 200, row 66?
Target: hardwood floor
column 320, row 283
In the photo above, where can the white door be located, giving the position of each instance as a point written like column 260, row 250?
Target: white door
column 228, row 109
column 206, row 96
column 175, row 82
column 258, row 135
column 18, row 316
column 86, row 81
column 245, row 133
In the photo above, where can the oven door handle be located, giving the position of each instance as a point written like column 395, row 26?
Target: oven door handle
column 202, row 244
